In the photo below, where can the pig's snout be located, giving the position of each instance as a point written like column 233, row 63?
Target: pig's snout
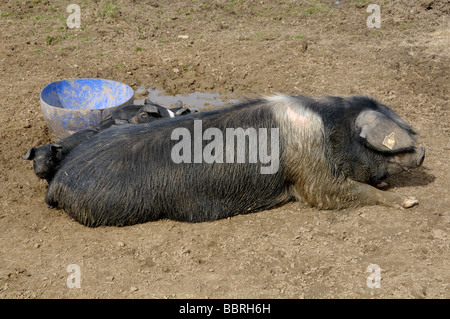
column 41, row 173
column 421, row 156
column 406, row 160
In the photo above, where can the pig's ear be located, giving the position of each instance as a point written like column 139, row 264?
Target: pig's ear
column 56, row 149
column 182, row 111
column 120, row 122
column 30, row 154
column 150, row 109
column 179, row 104
column 383, row 134
column 390, row 113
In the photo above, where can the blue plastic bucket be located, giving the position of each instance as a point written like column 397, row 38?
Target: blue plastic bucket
column 73, row 105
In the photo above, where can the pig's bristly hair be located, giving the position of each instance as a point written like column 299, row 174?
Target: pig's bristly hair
column 124, row 175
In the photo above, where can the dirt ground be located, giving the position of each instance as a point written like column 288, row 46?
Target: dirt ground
column 239, row 49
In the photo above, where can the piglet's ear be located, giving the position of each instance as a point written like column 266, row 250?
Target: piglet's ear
column 30, row 154
column 182, row 111
column 383, row 134
column 179, row 104
column 120, row 122
column 56, row 150
column 150, row 109
column 55, row 147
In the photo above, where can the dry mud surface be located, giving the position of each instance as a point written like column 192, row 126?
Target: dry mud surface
column 239, row 49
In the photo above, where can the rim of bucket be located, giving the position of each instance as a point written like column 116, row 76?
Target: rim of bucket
column 76, row 79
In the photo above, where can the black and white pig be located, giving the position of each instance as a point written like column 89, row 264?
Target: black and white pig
column 324, row 152
column 46, row 158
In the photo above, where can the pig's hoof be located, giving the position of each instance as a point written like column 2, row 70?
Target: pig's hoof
column 381, row 185
column 410, row 202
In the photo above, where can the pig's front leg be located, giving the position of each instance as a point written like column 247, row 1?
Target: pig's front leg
column 366, row 195
column 348, row 193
